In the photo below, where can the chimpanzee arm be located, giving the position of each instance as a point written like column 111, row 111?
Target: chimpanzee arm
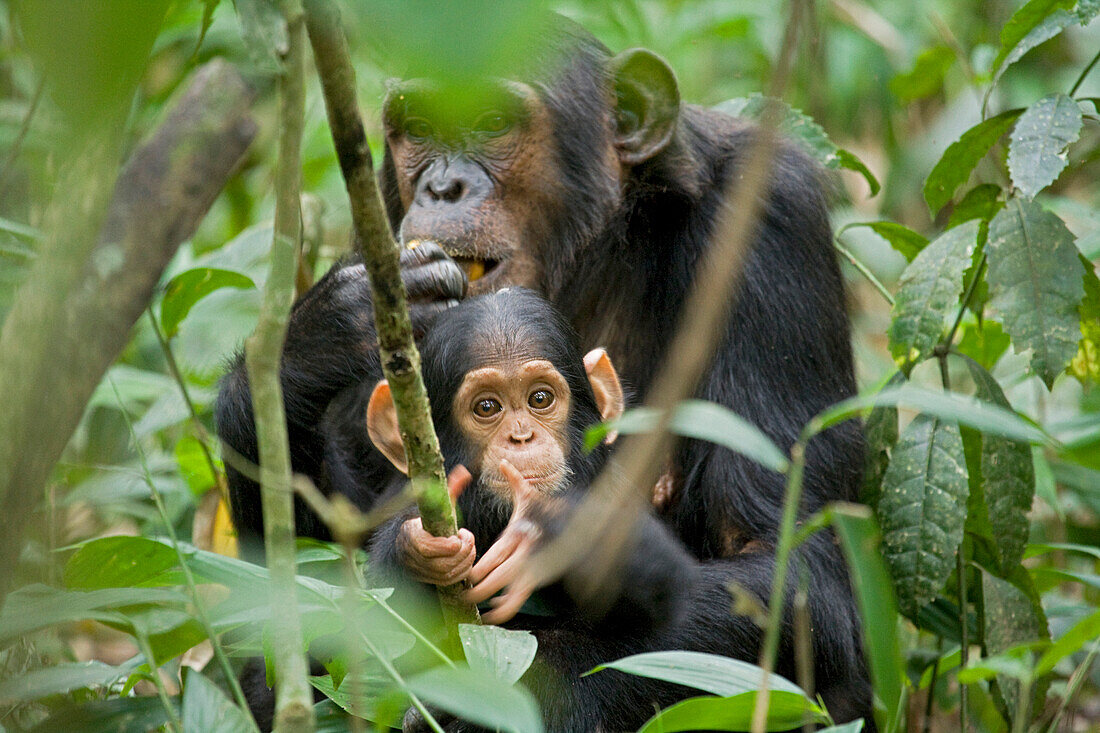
column 331, row 349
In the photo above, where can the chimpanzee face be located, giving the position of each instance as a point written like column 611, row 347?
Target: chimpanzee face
column 477, row 177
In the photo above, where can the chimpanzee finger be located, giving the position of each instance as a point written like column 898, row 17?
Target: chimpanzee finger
column 507, row 606
column 501, row 550
column 424, row 544
column 502, row 576
column 523, row 493
column 430, row 274
column 457, row 481
column 423, row 315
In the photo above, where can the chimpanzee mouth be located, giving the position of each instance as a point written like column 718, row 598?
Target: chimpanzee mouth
column 474, row 268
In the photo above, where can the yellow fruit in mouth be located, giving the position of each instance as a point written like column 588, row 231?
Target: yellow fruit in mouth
column 475, row 269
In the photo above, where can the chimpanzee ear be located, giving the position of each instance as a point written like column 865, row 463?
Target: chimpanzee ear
column 382, row 426
column 647, row 104
column 606, row 387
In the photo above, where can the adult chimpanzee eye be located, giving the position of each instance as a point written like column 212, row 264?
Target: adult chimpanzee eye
column 487, row 407
column 494, row 122
column 417, row 127
column 540, row 399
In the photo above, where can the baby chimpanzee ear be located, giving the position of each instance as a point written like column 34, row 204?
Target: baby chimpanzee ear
column 382, row 426
column 606, row 387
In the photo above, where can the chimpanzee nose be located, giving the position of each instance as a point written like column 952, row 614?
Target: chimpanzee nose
column 449, row 181
column 521, row 434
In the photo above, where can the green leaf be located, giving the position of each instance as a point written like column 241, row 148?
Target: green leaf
column 1008, row 478
column 118, row 562
column 807, row 134
column 880, row 431
column 962, row 156
column 859, row 538
column 1027, row 28
column 929, row 287
column 1086, row 10
column 981, row 202
column 711, row 673
column 1084, row 631
column 206, row 709
column 984, row 342
column 1013, row 616
column 854, row 727
column 926, row 76
column 20, row 230
column 786, row 710
column 58, row 679
column 36, row 606
column 704, row 421
column 264, row 31
column 903, row 239
column 922, row 509
column 1036, row 284
column 463, row 692
column 959, row 408
column 1086, row 364
column 501, row 653
column 373, row 694
column 1037, row 148
column 121, row 715
column 191, row 286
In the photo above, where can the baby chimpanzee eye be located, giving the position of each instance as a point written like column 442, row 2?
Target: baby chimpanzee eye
column 487, row 407
column 541, row 399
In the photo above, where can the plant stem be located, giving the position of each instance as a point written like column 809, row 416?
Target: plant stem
column 864, row 270
column 770, row 647
column 964, row 632
column 1084, row 73
column 397, row 351
column 188, row 576
column 293, row 694
column 392, row 672
column 978, row 272
column 174, row 724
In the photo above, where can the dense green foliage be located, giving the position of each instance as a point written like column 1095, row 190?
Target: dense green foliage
column 965, row 140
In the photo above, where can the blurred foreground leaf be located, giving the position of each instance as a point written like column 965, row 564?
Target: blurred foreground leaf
column 463, row 692
column 504, row 654
column 718, row 675
column 786, row 710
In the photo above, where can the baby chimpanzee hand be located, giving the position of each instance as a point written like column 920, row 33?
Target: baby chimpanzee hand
column 502, row 564
column 438, row 560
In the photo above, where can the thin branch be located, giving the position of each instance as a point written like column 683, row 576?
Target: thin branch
column 399, row 355
column 863, row 270
column 20, row 138
column 978, row 271
column 293, row 694
column 1081, row 79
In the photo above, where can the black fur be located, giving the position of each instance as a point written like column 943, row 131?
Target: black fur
column 618, row 266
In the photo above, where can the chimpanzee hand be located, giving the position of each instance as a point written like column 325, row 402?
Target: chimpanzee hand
column 438, row 560
column 433, row 282
column 502, row 564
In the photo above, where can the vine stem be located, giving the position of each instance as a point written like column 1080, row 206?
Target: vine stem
column 188, row 576
column 863, row 270
column 978, row 272
column 174, row 724
column 263, row 349
column 1084, row 73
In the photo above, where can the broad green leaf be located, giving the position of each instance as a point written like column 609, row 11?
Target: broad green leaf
column 35, row 607
column 786, row 710
column 206, row 709
column 191, row 286
column 463, row 692
column 1036, row 283
column 984, row 342
column 903, row 239
column 1027, row 28
column 930, row 287
column 113, row 562
column 874, row 590
column 120, row 715
column 807, row 134
column 962, row 156
column 926, row 76
column 1086, row 364
column 959, row 408
column 1008, row 478
column 704, row 421
column 981, row 202
column 55, row 680
column 365, row 696
column 1037, row 148
column 711, row 673
column 922, row 509
column 264, row 31
column 501, row 653
column 880, row 431
column 1013, row 616
column 854, row 727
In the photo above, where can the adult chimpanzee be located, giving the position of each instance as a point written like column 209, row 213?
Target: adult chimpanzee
column 585, row 178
